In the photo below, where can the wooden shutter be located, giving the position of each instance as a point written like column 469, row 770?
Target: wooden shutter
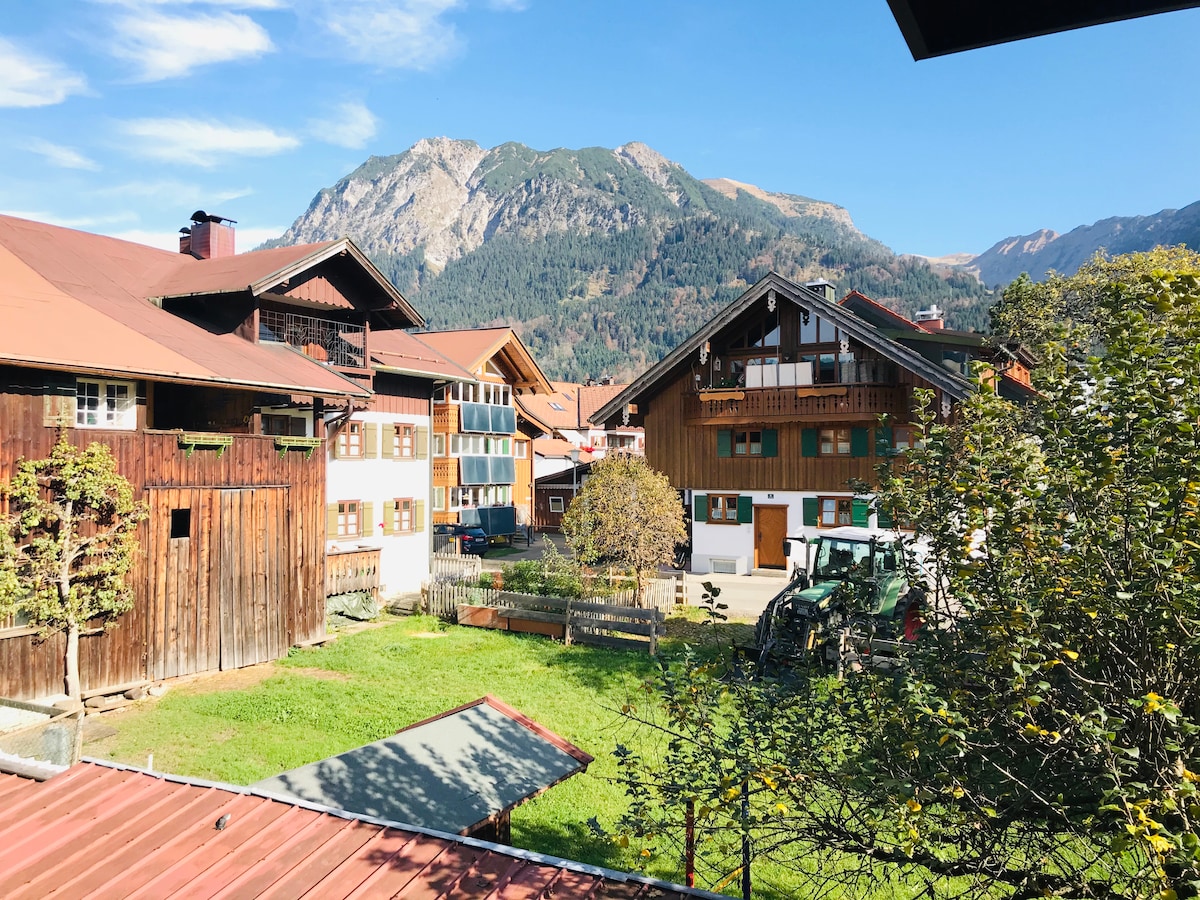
column 770, row 442
column 700, row 508
column 333, row 442
column 366, row 519
column 812, row 511
column 370, row 439
column 745, row 509
column 810, row 441
column 724, row 442
column 885, row 519
column 418, row 515
column 860, row 513
column 858, row 442
column 388, row 450
column 421, row 438
column 331, row 517
column 389, row 517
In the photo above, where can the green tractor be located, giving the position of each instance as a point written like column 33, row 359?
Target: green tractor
column 850, row 602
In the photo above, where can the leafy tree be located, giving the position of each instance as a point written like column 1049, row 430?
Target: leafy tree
column 1042, row 741
column 626, row 515
column 75, row 523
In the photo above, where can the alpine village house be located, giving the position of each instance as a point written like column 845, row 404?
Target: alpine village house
column 235, row 391
column 766, row 414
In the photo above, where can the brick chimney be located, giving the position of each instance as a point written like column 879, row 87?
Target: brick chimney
column 210, row 237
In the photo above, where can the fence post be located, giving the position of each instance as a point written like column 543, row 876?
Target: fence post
column 567, row 625
column 654, row 632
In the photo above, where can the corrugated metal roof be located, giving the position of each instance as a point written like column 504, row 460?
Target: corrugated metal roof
column 399, row 351
column 101, row 830
column 76, row 301
column 453, row 772
column 472, row 347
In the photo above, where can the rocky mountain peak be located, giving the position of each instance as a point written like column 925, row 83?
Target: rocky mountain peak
column 648, row 161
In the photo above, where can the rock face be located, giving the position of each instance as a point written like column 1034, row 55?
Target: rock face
column 602, row 259
column 1043, row 250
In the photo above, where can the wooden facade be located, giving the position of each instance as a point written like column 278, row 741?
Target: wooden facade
column 232, row 564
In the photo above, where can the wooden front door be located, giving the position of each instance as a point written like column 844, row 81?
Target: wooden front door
column 770, row 531
column 219, row 567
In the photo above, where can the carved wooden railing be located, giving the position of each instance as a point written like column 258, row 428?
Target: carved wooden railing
column 352, row 570
column 796, row 403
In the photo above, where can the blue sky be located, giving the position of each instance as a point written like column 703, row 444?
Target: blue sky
column 122, row 116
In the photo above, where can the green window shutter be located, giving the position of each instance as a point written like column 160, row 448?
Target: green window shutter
column 812, row 510
column 389, row 516
column 858, row 442
column 885, row 520
column 418, row 515
column 366, row 519
column 770, row 442
column 745, row 510
column 700, row 512
column 370, row 440
column 390, row 433
column 422, row 442
column 809, row 441
column 331, row 514
column 860, row 513
column 883, row 440
column 724, row 442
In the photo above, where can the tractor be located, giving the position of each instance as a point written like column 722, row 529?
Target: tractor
column 850, row 602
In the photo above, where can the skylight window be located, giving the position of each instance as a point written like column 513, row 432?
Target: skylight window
column 557, row 406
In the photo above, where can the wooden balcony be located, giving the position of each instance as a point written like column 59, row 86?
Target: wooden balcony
column 818, row 403
column 352, row 570
column 445, row 418
column 445, row 471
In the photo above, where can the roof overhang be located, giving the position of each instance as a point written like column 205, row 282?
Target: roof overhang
column 657, row 375
column 939, row 27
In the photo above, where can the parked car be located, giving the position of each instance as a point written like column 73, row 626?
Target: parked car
column 470, row 538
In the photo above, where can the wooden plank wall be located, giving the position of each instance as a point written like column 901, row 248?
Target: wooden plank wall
column 281, row 550
column 688, row 454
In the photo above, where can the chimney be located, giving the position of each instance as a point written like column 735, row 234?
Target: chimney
column 823, row 289
column 930, row 319
column 210, row 237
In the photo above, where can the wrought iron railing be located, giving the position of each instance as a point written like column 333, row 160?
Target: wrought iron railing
column 324, row 340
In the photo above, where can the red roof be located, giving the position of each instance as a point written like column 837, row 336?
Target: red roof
column 102, row 830
column 77, row 301
column 405, row 353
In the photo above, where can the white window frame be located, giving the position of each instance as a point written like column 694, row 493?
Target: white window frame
column 439, row 499
column 110, row 411
column 557, row 505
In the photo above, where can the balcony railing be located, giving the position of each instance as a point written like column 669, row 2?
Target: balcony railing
column 817, row 403
column 324, row 340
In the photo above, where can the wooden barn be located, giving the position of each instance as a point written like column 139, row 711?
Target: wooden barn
column 170, row 360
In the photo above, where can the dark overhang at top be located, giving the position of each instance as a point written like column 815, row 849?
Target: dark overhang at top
column 938, row 27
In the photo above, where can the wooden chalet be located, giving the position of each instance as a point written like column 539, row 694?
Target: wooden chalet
column 483, row 461
column 765, row 415
column 208, row 378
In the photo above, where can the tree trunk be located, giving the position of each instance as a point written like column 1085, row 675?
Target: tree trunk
column 74, row 691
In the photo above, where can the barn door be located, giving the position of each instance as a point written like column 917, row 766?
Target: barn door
column 251, row 575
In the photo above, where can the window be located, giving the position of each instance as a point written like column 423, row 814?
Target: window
column 904, row 437
column 106, row 404
column 283, row 425
column 747, row 443
column 349, row 519
column 404, row 441
column 557, row 406
column 350, row 440
column 835, row 442
column 439, row 498
column 557, row 505
column 521, row 449
column 402, row 516
column 439, row 444
column 836, row 511
column 181, row 523
column 723, row 509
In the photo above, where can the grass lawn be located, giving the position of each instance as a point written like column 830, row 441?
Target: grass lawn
column 248, row 724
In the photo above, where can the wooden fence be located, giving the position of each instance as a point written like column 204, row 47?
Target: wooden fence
column 447, row 589
column 449, row 568
column 601, row 624
column 352, row 570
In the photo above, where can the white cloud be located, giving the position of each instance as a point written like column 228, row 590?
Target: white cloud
column 167, row 193
column 27, row 79
column 410, row 34
column 350, row 125
column 203, row 143
column 63, row 157
column 81, row 222
column 509, row 5
column 245, row 238
column 163, row 46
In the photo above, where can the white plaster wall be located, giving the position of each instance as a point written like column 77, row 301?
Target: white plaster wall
column 404, row 558
column 737, row 541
